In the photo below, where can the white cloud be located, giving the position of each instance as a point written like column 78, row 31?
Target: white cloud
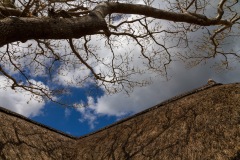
column 72, row 75
column 141, row 98
column 67, row 112
column 181, row 80
column 19, row 101
column 88, row 114
column 119, row 104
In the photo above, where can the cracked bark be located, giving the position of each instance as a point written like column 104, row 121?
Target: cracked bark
column 48, row 28
column 66, row 28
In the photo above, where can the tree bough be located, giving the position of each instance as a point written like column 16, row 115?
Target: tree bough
column 43, row 28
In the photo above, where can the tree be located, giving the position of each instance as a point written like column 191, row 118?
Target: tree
column 46, row 39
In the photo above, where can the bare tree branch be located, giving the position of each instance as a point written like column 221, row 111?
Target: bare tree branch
column 34, row 33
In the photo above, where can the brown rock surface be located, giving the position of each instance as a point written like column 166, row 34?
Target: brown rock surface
column 202, row 124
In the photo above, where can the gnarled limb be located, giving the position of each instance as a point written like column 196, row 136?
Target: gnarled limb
column 48, row 28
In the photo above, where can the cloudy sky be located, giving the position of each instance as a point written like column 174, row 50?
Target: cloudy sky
column 104, row 109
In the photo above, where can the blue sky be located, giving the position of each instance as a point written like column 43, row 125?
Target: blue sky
column 67, row 119
column 55, row 116
column 71, row 121
column 104, row 109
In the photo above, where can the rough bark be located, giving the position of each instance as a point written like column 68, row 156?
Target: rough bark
column 6, row 11
column 65, row 28
column 188, row 17
column 22, row 29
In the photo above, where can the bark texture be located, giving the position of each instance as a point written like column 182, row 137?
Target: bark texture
column 22, row 29
column 202, row 124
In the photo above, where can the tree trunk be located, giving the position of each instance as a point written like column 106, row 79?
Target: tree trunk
column 21, row 29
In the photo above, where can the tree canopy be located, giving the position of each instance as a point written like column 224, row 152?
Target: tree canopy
column 47, row 46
